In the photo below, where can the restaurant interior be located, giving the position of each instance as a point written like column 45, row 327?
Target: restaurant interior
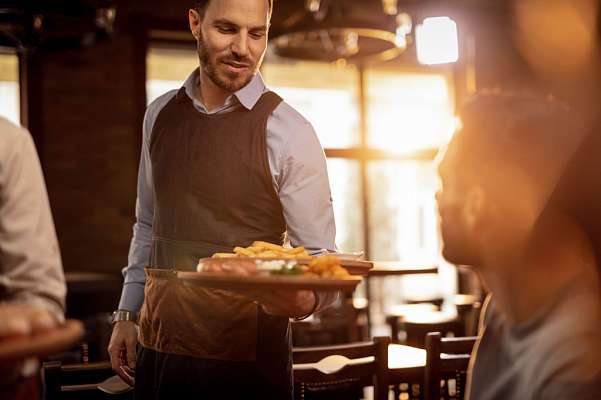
column 381, row 82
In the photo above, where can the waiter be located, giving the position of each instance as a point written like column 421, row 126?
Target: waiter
column 224, row 162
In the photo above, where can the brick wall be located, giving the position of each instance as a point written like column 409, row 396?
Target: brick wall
column 89, row 105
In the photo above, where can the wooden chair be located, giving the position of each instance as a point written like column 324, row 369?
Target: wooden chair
column 341, row 371
column 418, row 326
column 397, row 314
column 78, row 381
column 446, row 366
column 468, row 310
column 336, row 325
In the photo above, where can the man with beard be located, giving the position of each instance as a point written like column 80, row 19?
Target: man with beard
column 540, row 325
column 224, row 162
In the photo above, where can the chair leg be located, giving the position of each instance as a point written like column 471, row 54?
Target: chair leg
column 51, row 380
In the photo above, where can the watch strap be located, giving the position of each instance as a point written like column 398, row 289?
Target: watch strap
column 124, row 315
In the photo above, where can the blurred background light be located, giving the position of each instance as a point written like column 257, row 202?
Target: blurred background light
column 436, row 41
column 404, row 25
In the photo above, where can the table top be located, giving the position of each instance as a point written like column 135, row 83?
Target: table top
column 401, row 356
column 392, row 268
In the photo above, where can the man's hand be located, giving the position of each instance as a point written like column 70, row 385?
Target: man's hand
column 122, row 349
column 278, row 302
column 18, row 320
column 286, row 303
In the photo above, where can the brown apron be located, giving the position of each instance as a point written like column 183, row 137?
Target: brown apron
column 213, row 191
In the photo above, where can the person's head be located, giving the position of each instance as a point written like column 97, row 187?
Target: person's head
column 497, row 173
column 231, row 38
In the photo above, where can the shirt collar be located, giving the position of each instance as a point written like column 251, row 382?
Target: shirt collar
column 247, row 96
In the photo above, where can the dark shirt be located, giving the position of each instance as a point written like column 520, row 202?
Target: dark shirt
column 554, row 355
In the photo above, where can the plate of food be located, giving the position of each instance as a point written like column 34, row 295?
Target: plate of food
column 269, row 251
column 323, row 273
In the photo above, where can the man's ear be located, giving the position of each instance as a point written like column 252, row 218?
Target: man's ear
column 474, row 208
column 194, row 21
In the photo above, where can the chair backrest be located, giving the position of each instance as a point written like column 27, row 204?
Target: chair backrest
column 417, row 327
column 77, row 381
column 446, row 366
column 332, row 372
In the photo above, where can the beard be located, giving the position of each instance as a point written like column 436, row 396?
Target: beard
column 226, row 81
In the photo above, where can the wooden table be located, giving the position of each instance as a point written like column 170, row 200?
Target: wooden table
column 398, row 268
column 392, row 268
column 405, row 363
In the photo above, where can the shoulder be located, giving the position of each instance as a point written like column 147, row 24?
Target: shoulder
column 154, row 108
column 289, row 127
column 571, row 343
column 13, row 138
column 291, row 114
column 160, row 102
column 11, row 132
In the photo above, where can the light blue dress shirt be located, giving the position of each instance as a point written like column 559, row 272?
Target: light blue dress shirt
column 298, row 169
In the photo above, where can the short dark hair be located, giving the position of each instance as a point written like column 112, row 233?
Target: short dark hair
column 201, row 6
column 505, row 131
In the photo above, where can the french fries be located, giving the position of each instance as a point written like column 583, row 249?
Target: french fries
column 260, row 249
column 326, row 267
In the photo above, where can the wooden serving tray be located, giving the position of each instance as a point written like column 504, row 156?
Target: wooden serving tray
column 268, row 282
column 354, row 267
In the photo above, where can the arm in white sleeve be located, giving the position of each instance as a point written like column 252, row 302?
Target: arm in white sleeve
column 132, row 295
column 31, row 269
column 300, row 177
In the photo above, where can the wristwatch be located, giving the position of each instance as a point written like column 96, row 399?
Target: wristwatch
column 124, row 315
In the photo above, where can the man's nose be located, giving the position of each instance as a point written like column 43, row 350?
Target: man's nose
column 240, row 45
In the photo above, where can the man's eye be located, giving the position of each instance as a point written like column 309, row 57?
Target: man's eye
column 257, row 35
column 223, row 29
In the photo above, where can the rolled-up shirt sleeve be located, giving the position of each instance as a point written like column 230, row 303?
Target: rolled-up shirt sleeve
column 132, row 295
column 300, row 175
column 31, row 269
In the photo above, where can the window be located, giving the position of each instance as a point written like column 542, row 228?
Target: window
column 9, row 87
column 328, row 96
column 407, row 113
column 320, row 91
column 167, row 69
column 383, row 179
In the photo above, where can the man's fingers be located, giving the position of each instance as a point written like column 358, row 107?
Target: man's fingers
column 115, row 355
column 131, row 355
column 23, row 319
column 42, row 321
column 125, row 376
column 14, row 326
column 130, row 375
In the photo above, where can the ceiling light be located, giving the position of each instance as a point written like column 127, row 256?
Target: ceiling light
column 436, row 40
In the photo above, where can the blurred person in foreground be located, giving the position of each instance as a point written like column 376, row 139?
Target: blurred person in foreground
column 539, row 329
column 32, row 286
